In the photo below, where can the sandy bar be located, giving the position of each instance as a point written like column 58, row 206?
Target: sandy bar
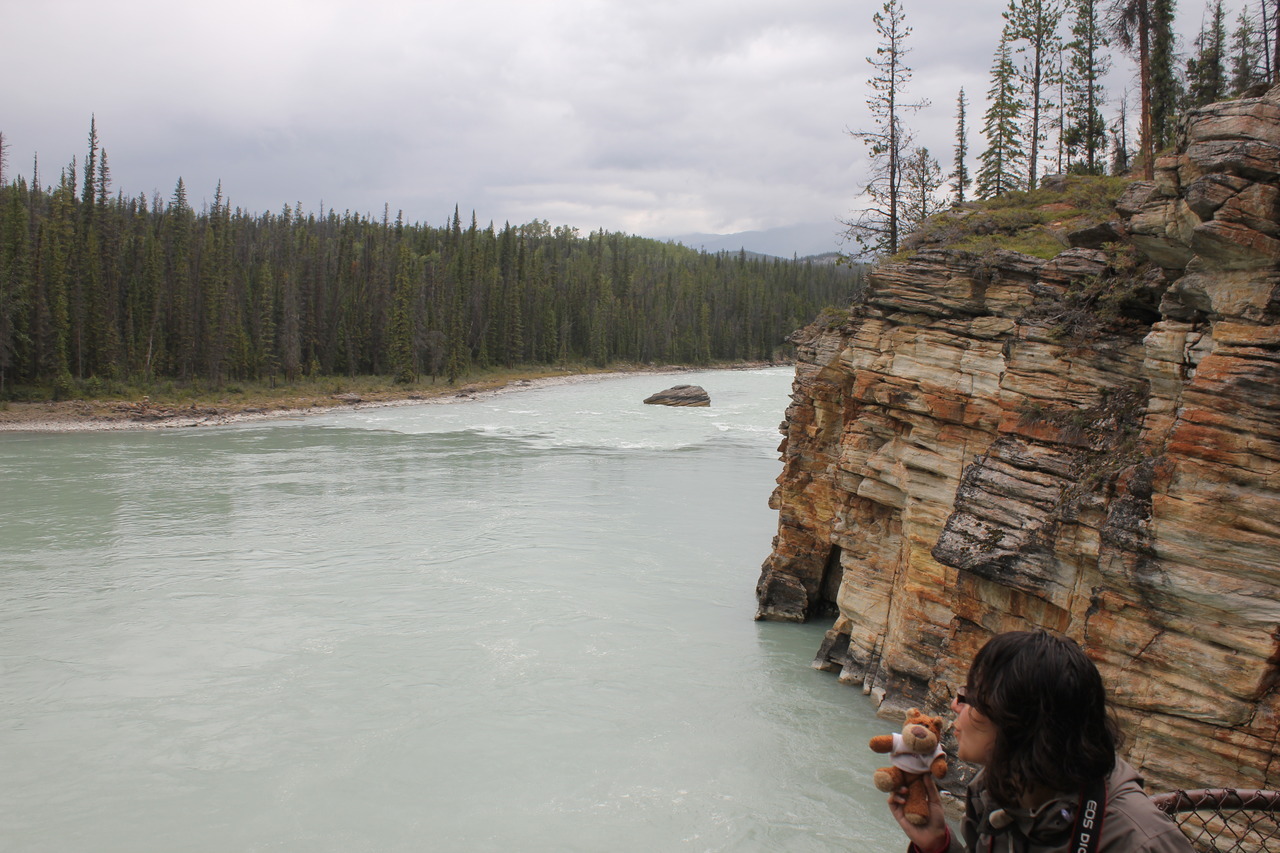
column 77, row 416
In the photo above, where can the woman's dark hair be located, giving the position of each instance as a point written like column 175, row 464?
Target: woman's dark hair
column 1049, row 707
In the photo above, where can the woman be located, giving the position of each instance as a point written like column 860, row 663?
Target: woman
column 1033, row 713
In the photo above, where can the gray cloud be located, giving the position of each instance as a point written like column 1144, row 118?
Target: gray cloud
column 651, row 116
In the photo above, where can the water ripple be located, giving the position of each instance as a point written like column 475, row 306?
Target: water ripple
column 515, row 623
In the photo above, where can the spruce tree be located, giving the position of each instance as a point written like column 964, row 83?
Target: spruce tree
column 1166, row 88
column 1033, row 27
column 89, row 192
column 922, row 180
column 15, row 277
column 960, row 173
column 290, row 328
column 215, row 273
column 178, row 236
column 152, row 315
column 106, row 347
column 1001, row 164
column 267, row 360
column 168, row 292
column 513, row 319
column 1206, row 71
column 1244, row 54
column 1086, row 130
column 401, row 339
column 56, row 236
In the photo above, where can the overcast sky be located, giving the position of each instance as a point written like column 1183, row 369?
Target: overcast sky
column 654, row 117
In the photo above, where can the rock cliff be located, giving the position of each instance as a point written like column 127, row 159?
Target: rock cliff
column 1091, row 443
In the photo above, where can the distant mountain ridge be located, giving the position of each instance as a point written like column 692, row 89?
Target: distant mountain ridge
column 802, row 240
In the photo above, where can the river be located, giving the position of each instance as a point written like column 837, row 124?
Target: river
column 519, row 622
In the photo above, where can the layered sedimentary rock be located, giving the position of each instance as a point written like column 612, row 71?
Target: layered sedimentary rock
column 1090, row 444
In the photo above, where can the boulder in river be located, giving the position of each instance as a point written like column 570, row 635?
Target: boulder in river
column 681, row 395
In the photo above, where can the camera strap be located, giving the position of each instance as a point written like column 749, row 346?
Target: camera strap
column 1087, row 836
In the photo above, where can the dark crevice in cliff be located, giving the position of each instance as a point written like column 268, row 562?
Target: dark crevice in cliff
column 829, row 588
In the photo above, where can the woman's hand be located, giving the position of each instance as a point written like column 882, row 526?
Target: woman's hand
column 931, row 837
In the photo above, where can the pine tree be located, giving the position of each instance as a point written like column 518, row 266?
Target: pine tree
column 1145, row 27
column 878, row 228
column 1033, row 26
column 960, row 173
column 1086, row 130
column 1132, row 29
column 1000, row 170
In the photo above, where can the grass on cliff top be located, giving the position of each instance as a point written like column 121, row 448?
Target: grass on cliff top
column 1034, row 223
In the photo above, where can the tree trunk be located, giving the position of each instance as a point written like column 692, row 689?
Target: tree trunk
column 1144, row 63
column 1275, row 56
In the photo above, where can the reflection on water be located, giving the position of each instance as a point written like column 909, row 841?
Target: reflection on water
column 522, row 622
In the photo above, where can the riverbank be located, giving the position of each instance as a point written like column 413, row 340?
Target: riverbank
column 225, row 408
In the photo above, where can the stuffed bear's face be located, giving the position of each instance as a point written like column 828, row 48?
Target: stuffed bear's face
column 921, row 732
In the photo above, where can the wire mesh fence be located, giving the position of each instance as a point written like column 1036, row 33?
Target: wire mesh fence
column 1226, row 820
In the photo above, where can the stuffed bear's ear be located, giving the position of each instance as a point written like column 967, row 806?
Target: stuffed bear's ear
column 913, row 714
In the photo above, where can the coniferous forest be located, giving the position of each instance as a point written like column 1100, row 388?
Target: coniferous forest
column 97, row 286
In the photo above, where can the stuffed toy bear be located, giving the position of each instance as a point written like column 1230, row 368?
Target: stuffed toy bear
column 914, row 753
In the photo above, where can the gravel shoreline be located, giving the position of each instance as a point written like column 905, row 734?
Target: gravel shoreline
column 80, row 416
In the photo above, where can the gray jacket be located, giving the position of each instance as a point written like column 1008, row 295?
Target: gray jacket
column 1131, row 823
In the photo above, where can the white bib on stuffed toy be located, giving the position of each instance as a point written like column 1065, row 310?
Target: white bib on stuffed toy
column 911, row 762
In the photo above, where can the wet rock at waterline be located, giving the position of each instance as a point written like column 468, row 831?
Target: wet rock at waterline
column 680, row 395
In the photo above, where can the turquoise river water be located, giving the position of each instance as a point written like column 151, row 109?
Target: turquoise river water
column 520, row 622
